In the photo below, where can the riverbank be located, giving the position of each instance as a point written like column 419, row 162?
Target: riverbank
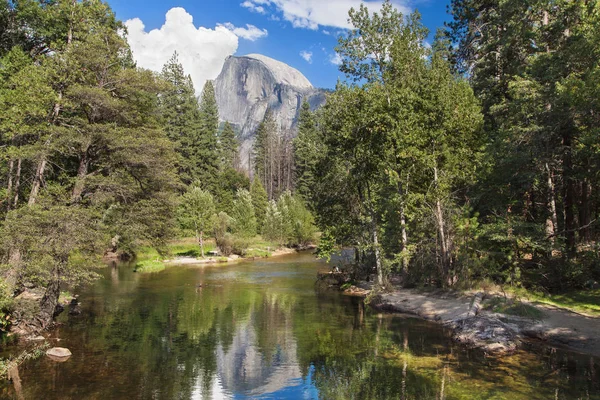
column 187, row 252
column 476, row 322
column 184, row 260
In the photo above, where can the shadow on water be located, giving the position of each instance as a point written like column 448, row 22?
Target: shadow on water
column 260, row 330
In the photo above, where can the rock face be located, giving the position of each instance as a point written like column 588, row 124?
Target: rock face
column 249, row 85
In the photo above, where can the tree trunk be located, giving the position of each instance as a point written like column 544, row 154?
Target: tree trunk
column 11, row 274
column 202, row 243
column 17, row 184
column 80, row 180
column 50, row 299
column 569, row 195
column 552, row 222
column 37, row 181
column 199, row 239
column 378, row 261
column 584, row 212
column 11, row 166
column 403, row 234
column 439, row 215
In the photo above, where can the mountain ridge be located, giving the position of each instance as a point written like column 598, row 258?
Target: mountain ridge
column 249, row 85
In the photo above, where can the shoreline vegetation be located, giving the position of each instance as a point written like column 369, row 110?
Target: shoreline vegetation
column 185, row 251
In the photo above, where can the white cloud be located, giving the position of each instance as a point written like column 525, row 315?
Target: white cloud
column 307, row 55
column 250, row 32
column 335, row 59
column 253, row 7
column 311, row 14
column 202, row 51
column 326, row 32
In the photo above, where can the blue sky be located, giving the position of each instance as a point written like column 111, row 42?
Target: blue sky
column 281, row 29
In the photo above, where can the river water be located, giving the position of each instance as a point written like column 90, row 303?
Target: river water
column 260, row 330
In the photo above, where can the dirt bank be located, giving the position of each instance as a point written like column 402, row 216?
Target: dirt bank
column 495, row 332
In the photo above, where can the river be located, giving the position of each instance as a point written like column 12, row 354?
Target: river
column 260, row 330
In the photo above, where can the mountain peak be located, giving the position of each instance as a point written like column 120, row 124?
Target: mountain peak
column 283, row 73
column 250, row 85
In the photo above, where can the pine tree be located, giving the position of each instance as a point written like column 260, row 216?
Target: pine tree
column 308, row 150
column 244, row 219
column 180, row 111
column 207, row 154
column 229, row 145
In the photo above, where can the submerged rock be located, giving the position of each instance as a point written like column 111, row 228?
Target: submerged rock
column 59, row 354
column 486, row 333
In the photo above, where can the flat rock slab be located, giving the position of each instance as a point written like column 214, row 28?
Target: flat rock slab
column 59, row 353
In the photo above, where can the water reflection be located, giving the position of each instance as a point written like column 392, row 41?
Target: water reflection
column 261, row 330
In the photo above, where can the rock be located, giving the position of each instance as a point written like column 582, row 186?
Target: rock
column 58, row 310
column 59, row 354
column 488, row 334
column 247, row 86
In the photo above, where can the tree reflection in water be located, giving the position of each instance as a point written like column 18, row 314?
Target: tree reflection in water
column 260, row 330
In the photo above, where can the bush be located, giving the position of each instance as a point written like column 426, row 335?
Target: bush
column 225, row 243
column 240, row 246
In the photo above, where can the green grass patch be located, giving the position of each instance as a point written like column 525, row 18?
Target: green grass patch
column 189, row 247
column 259, row 253
column 513, row 307
column 149, row 266
column 582, row 301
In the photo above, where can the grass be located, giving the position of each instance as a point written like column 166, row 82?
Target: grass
column 586, row 302
column 513, row 307
column 189, row 247
column 258, row 253
column 581, row 301
column 149, row 267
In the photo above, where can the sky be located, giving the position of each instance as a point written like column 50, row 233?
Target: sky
column 300, row 33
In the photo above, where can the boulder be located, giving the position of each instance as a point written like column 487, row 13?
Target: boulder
column 59, row 354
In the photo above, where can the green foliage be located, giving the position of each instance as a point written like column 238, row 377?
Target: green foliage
column 299, row 224
column 289, row 222
column 89, row 164
column 228, row 146
column 229, row 182
column 207, row 162
column 326, row 246
column 244, row 220
column 274, row 227
column 179, row 108
column 260, row 201
column 308, row 149
column 197, row 210
column 149, row 267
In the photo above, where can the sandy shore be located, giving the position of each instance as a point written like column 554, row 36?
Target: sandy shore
column 494, row 332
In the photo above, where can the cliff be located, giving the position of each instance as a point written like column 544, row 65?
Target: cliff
column 249, row 85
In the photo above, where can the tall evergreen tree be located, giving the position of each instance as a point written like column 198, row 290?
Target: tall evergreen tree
column 307, row 151
column 181, row 113
column 229, row 147
column 207, row 154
